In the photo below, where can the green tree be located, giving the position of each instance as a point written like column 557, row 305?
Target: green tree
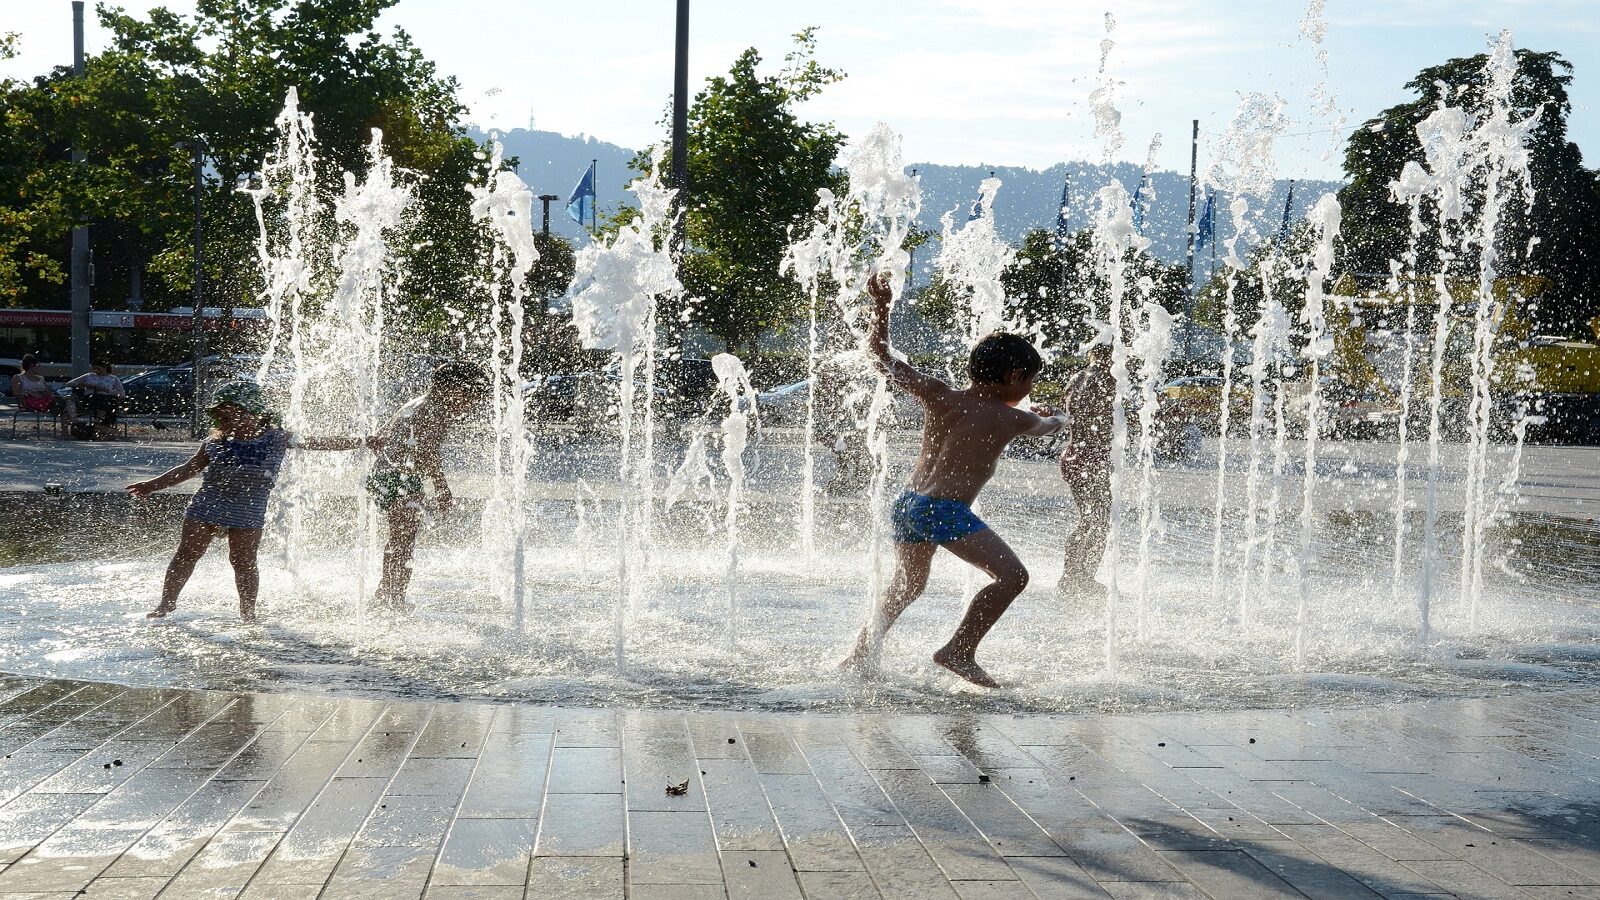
column 1279, row 263
column 1565, row 214
column 221, row 76
column 754, row 171
column 1053, row 290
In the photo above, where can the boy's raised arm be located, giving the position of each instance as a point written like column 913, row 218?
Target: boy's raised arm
column 903, row 374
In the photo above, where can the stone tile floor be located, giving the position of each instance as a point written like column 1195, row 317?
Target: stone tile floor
column 132, row 793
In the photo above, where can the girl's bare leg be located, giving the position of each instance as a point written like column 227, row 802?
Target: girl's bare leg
column 242, row 544
column 990, row 553
column 192, row 543
column 912, row 562
column 405, row 521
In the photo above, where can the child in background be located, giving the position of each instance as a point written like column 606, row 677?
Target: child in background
column 410, row 452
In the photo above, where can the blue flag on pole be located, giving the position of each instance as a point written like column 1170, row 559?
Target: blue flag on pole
column 1208, row 223
column 580, row 206
column 1063, row 228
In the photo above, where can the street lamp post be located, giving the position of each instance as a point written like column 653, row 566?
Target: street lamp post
column 680, row 122
column 198, row 148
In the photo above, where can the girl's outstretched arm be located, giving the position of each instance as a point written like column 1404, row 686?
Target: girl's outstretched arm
column 175, row 475
column 336, row 442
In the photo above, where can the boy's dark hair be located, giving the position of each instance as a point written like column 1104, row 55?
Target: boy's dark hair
column 101, row 362
column 459, row 376
column 1000, row 354
column 29, row 361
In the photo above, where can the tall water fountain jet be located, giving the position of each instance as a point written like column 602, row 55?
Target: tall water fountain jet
column 290, row 223
column 504, row 205
column 328, row 275
column 856, row 236
column 616, row 286
column 1243, row 171
column 1503, row 177
column 971, row 260
column 1115, row 242
column 813, row 261
column 1152, row 346
column 1270, row 340
column 734, row 381
column 1471, row 165
column 1325, row 223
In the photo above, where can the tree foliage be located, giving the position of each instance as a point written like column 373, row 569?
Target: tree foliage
column 1564, row 219
column 220, row 76
column 1054, row 291
column 754, row 170
column 1278, row 263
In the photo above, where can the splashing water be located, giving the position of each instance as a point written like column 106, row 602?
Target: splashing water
column 734, row 381
column 615, row 290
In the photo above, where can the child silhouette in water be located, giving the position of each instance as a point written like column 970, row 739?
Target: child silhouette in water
column 964, row 433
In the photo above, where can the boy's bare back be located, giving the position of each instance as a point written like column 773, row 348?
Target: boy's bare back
column 962, row 440
column 966, row 430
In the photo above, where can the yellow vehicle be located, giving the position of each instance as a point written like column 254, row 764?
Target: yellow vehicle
column 1554, row 377
column 1200, row 399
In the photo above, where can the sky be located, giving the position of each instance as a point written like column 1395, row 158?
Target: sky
column 997, row 82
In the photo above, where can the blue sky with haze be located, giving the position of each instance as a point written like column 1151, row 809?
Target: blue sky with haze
column 965, row 81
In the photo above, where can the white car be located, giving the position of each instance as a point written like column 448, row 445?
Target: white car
column 784, row 405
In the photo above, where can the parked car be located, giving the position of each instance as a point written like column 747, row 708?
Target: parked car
column 167, row 391
column 1199, row 397
column 585, row 399
column 1364, row 416
column 784, row 405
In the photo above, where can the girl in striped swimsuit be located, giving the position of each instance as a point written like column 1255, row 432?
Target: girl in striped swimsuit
column 239, row 465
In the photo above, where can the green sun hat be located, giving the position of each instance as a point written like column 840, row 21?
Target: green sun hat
column 241, row 393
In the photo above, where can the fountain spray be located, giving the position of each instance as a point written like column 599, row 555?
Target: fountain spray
column 616, row 285
column 505, row 205
column 735, row 382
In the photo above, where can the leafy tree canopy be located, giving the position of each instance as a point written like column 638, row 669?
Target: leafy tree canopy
column 1053, row 290
column 220, row 76
column 754, row 170
column 1564, row 219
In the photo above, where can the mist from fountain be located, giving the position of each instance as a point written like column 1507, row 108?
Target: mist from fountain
column 616, row 288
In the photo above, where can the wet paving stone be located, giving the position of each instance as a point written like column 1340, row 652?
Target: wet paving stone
column 129, row 794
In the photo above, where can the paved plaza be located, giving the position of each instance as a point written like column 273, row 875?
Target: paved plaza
column 129, row 793
column 1560, row 481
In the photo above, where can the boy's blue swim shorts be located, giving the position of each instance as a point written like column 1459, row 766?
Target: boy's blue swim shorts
column 918, row 519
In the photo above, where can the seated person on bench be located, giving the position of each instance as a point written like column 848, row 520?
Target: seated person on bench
column 101, row 392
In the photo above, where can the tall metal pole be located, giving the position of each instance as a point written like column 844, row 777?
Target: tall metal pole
column 594, row 206
column 79, row 270
column 680, row 119
column 197, row 322
column 1194, row 170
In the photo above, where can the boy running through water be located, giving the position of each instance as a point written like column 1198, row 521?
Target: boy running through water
column 962, row 439
column 410, row 452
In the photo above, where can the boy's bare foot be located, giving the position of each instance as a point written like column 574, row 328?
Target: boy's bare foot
column 249, row 618
column 964, row 667
column 860, row 655
column 161, row 611
column 1075, row 586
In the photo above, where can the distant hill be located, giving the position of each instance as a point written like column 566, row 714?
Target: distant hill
column 552, row 163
